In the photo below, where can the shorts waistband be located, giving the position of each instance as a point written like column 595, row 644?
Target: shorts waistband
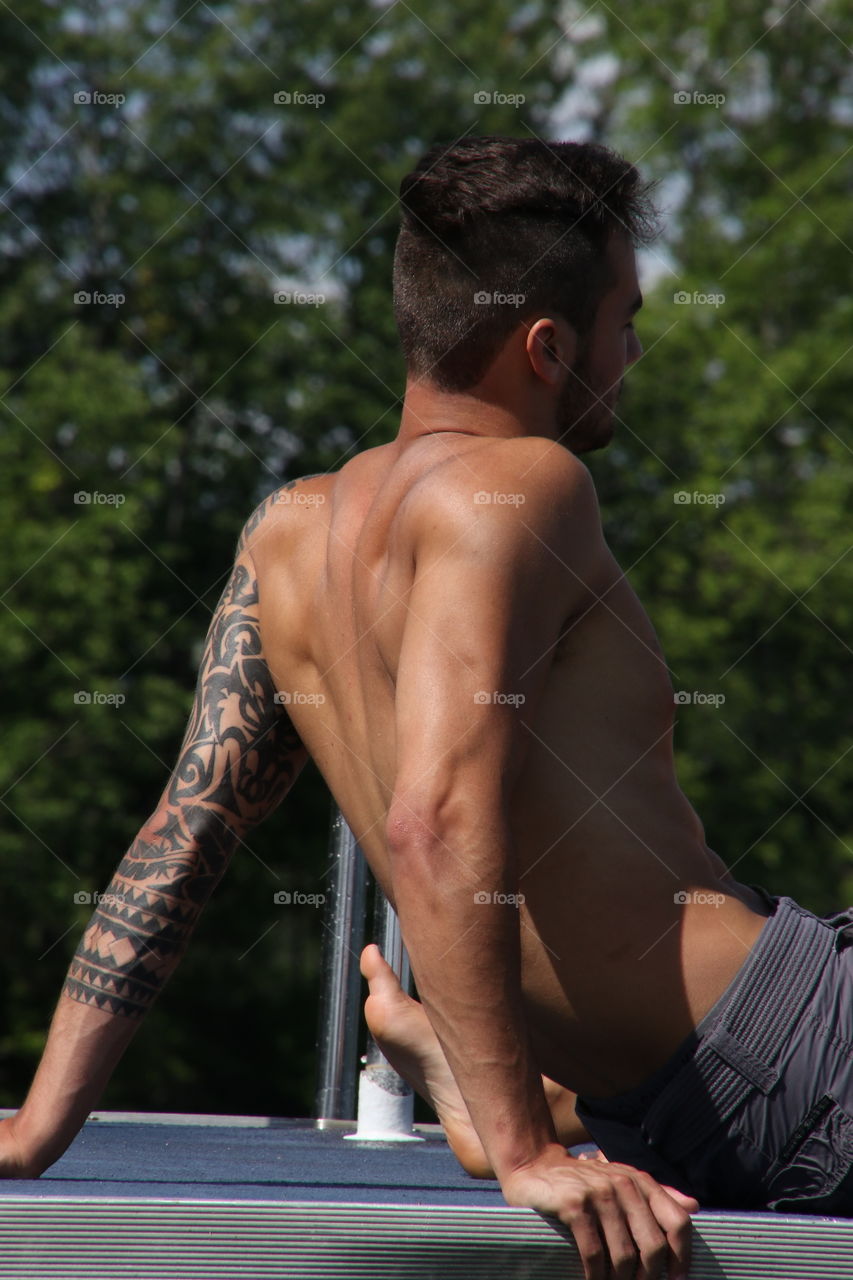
column 740, row 1052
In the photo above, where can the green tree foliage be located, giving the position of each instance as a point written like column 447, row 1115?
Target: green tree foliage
column 220, row 188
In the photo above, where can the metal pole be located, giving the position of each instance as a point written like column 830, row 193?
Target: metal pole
column 386, row 932
column 385, row 1100
column 339, row 1017
column 390, row 940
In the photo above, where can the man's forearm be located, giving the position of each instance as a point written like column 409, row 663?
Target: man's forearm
column 83, row 1048
column 144, row 920
column 465, row 955
column 131, row 946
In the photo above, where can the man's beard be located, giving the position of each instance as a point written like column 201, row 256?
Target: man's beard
column 585, row 413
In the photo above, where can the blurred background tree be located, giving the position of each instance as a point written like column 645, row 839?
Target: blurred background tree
column 175, row 179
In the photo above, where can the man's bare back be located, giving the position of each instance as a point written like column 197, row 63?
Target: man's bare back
column 616, row 968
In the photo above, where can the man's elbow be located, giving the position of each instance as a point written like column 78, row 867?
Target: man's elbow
column 177, row 855
column 409, row 834
column 425, row 827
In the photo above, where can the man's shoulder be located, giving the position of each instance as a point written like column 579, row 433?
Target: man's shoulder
column 284, row 509
column 524, row 482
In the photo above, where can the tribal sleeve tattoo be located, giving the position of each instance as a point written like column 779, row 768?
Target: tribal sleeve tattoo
column 239, row 758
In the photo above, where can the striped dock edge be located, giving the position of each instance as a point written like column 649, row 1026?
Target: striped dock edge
column 99, row 1238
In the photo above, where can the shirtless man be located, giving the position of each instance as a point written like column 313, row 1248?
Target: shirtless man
column 488, row 702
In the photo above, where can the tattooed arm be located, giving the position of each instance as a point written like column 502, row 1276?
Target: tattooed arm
column 239, row 757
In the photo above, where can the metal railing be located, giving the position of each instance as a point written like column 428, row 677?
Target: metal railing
column 344, row 924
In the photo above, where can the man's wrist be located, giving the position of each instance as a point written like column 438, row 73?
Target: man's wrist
column 550, row 1154
column 38, row 1144
column 525, row 1148
column 17, row 1160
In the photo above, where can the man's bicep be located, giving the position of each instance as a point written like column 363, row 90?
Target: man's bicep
column 240, row 754
column 239, row 757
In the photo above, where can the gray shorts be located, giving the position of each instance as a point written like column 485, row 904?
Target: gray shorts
column 755, row 1109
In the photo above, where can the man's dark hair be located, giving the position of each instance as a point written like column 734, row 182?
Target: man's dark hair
column 506, row 216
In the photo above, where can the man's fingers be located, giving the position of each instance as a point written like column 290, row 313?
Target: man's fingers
column 591, row 1245
column 638, row 1244
column 616, row 1233
column 674, row 1218
column 625, row 1224
column 647, row 1233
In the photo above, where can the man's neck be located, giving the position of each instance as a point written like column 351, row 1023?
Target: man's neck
column 428, row 410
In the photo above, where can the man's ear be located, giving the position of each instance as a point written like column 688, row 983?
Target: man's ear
column 551, row 347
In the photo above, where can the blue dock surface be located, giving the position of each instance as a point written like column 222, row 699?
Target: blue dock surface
column 169, row 1197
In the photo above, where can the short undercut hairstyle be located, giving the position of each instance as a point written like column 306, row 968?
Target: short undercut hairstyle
column 496, row 231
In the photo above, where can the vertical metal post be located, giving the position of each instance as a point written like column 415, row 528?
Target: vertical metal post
column 385, row 1100
column 386, row 933
column 390, row 940
column 339, row 1016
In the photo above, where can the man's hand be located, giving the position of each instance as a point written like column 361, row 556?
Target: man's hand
column 14, row 1161
column 626, row 1225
